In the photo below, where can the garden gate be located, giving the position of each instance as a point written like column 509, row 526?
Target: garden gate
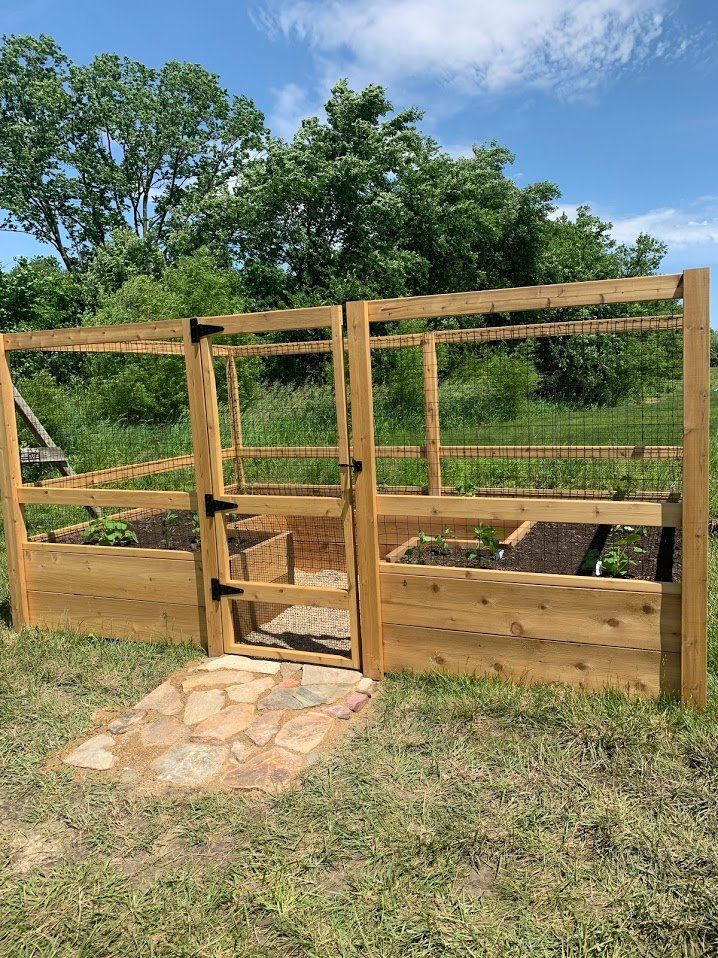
column 290, row 591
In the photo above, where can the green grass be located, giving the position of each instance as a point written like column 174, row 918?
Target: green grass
column 467, row 818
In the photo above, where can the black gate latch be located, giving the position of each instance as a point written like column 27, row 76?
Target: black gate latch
column 212, row 506
column 197, row 330
column 219, row 589
column 355, row 464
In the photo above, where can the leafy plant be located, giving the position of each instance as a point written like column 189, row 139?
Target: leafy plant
column 488, row 544
column 109, row 532
column 424, row 540
column 169, row 519
column 620, row 557
column 195, row 526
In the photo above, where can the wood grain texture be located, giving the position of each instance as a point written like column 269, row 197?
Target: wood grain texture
column 147, row 498
column 118, row 618
column 696, row 458
column 529, row 661
column 431, row 414
column 593, row 293
column 213, row 614
column 115, row 574
column 87, row 335
column 494, row 509
column 362, row 405
column 314, row 596
column 596, row 617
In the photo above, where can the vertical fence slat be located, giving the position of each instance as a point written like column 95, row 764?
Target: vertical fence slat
column 362, row 411
column 431, row 414
column 10, row 479
column 235, row 413
column 696, row 450
column 203, row 473
column 345, row 481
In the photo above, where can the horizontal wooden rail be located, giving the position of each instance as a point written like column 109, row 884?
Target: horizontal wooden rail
column 310, row 595
column 274, row 321
column 562, row 452
column 532, row 578
column 288, row 505
column 518, row 299
column 149, row 498
column 87, row 335
column 634, row 512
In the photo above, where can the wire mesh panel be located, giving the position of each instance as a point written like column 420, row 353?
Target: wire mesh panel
column 106, row 416
column 592, row 412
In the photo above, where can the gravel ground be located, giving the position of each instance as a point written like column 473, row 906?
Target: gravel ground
column 307, row 628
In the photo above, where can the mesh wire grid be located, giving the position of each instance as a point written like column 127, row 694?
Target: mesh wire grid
column 496, row 412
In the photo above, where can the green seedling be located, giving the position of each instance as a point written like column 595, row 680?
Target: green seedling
column 109, row 532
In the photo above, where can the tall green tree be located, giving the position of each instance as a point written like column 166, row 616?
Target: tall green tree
column 89, row 150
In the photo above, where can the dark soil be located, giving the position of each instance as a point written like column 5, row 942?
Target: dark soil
column 154, row 532
column 561, row 548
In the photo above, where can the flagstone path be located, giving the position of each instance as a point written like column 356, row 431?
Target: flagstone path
column 227, row 723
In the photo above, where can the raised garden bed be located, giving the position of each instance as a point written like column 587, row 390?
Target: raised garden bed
column 559, row 548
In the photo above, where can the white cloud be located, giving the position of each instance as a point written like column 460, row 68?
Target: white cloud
column 696, row 226
column 567, row 47
column 291, row 105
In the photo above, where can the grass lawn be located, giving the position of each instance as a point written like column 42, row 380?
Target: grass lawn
column 468, row 817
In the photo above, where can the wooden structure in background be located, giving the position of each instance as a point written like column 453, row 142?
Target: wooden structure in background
column 642, row 636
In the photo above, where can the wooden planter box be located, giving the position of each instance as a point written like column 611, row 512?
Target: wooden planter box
column 269, row 558
column 507, row 542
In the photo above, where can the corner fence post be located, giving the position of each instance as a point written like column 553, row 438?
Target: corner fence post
column 696, row 452
column 367, row 539
column 196, row 354
column 10, row 479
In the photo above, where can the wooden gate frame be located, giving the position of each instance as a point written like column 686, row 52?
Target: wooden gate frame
column 209, row 472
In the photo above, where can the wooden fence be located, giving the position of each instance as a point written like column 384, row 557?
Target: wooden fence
column 638, row 635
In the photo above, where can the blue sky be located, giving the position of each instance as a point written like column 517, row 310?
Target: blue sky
column 614, row 100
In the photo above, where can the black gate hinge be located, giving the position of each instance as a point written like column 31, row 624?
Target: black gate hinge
column 212, row 506
column 198, row 330
column 355, row 464
column 219, row 589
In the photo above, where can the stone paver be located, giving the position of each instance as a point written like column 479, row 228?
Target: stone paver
column 339, row 710
column 251, row 691
column 368, row 686
column 322, row 674
column 92, row 754
column 293, row 698
column 191, row 763
column 165, row 699
column 230, row 722
column 126, row 722
column 164, row 731
column 210, row 680
column 303, row 733
column 200, row 705
column 269, row 771
column 264, row 728
column 225, row 724
column 242, row 664
column 356, row 701
column 241, row 751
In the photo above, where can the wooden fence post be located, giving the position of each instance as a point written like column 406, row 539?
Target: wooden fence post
column 203, row 472
column 362, row 415
column 696, row 451
column 431, row 414
column 10, row 479
column 345, row 482
column 236, row 417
